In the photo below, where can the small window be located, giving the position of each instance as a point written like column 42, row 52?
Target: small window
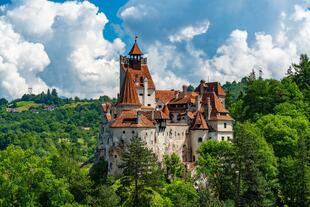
column 210, row 138
column 228, row 138
column 124, row 132
column 148, row 94
column 140, row 94
column 148, row 104
column 194, row 158
column 223, row 138
column 200, row 139
column 132, row 132
column 225, row 125
column 115, row 156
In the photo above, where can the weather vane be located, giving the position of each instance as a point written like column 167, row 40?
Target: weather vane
column 136, row 37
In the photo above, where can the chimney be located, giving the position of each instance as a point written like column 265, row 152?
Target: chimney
column 209, row 108
column 177, row 94
column 202, row 87
column 184, row 88
column 138, row 117
column 145, row 92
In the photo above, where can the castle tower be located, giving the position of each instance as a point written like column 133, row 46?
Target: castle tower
column 138, row 70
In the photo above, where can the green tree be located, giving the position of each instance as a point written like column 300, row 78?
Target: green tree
column 140, row 165
column 182, row 194
column 300, row 73
column 215, row 162
column 26, row 180
column 256, row 168
column 173, row 167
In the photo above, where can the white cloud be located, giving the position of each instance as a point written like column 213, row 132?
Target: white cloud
column 20, row 63
column 189, row 32
column 236, row 58
column 82, row 62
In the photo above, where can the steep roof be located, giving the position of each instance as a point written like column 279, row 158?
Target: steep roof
column 128, row 119
column 216, row 87
column 211, row 87
column 165, row 95
column 200, row 122
column 139, row 75
column 184, row 98
column 166, row 110
column 129, row 94
column 135, row 50
column 216, row 103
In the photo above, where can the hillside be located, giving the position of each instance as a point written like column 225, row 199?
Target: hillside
column 47, row 147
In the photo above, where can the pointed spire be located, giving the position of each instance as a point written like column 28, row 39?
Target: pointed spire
column 129, row 94
column 200, row 122
column 135, row 50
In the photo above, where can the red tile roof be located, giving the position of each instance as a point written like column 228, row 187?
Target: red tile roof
column 200, row 122
column 164, row 95
column 216, row 87
column 184, row 98
column 138, row 75
column 129, row 94
column 217, row 105
column 135, row 50
column 166, row 111
column 128, row 119
column 211, row 87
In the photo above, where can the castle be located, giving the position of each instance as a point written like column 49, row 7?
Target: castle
column 166, row 120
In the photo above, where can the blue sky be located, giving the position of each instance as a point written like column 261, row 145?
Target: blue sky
column 75, row 45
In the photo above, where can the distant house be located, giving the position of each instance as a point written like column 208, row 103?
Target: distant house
column 49, row 107
column 12, row 110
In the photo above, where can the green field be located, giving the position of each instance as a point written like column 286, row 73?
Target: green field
column 25, row 105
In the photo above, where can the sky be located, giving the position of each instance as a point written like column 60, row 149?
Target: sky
column 74, row 46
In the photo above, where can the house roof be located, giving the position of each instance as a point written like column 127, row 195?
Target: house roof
column 185, row 97
column 200, row 122
column 211, row 87
column 129, row 94
column 165, row 95
column 216, row 103
column 128, row 119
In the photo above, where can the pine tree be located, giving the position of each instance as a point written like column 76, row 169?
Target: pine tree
column 140, row 164
column 255, row 168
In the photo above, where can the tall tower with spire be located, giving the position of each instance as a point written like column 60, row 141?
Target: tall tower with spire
column 136, row 66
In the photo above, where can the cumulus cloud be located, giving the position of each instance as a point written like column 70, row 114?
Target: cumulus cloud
column 221, row 41
column 20, row 63
column 273, row 55
column 81, row 62
column 189, row 32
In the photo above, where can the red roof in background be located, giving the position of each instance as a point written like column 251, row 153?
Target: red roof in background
column 216, row 87
column 184, row 98
column 127, row 119
column 216, row 103
column 165, row 95
column 211, row 87
column 200, row 122
column 129, row 94
column 135, row 50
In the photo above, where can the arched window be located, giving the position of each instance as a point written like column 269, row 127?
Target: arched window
column 199, row 139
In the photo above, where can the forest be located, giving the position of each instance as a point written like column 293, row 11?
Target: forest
column 47, row 153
